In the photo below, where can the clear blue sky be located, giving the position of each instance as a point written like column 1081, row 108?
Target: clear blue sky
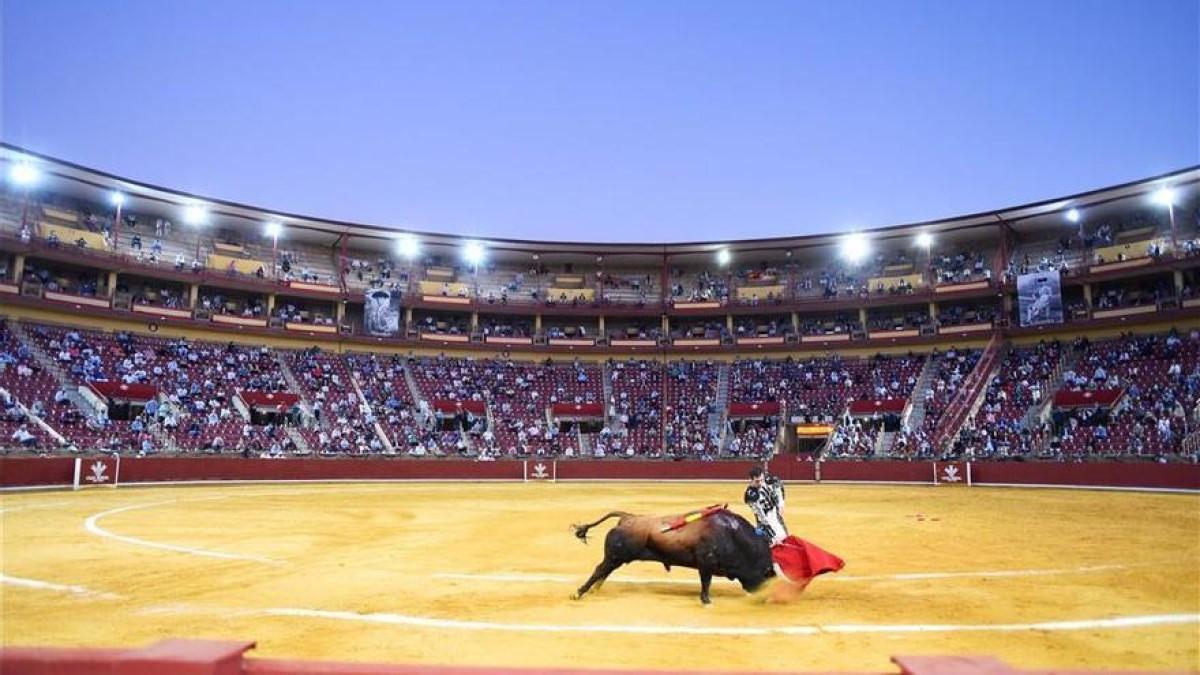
column 608, row 121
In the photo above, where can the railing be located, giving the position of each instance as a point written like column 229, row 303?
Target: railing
column 960, row 406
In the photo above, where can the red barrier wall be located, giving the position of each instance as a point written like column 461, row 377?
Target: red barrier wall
column 912, row 472
column 237, row 468
column 19, row 471
column 1109, row 474
column 34, row 471
column 652, row 470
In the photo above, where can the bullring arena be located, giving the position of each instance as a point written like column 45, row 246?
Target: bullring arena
column 360, row 449
column 470, row 573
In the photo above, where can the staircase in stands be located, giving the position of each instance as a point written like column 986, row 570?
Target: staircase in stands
column 969, row 395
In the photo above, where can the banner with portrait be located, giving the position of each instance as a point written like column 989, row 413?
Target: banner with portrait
column 381, row 312
column 1039, row 298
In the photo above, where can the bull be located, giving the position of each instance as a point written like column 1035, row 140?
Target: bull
column 720, row 544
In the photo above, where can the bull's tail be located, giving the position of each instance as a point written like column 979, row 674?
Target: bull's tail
column 582, row 530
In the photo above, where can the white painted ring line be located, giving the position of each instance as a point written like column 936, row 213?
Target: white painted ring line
column 463, row 624
column 91, row 525
column 61, row 588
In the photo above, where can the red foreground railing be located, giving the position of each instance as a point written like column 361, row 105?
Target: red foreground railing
column 213, row 657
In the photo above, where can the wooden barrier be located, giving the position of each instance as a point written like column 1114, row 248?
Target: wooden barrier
column 580, row 294
column 453, row 289
column 232, row 249
column 760, row 293
column 67, row 236
column 59, row 471
column 60, row 214
column 914, row 280
column 1124, row 311
column 310, row 328
column 239, row 320
column 162, row 311
column 836, row 337
column 73, row 299
column 247, row 266
column 445, row 337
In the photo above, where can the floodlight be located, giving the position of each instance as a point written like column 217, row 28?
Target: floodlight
column 408, row 246
column 1164, row 196
column 117, row 199
column 723, row 257
column 473, row 253
column 195, row 214
column 855, row 247
column 273, row 228
column 24, row 174
column 1073, row 215
column 924, row 240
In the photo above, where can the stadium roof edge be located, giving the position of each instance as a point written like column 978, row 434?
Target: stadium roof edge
column 83, row 178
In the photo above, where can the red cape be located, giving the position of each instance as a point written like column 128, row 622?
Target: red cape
column 801, row 561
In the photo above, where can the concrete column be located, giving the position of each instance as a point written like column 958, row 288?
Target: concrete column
column 537, row 323
column 339, row 310
column 862, row 317
column 1008, row 306
column 18, row 268
column 474, row 321
column 1087, row 295
column 193, row 295
column 666, row 326
column 796, row 322
column 1178, row 281
column 270, row 304
column 407, row 317
column 933, row 310
column 601, row 329
column 729, row 323
column 112, row 284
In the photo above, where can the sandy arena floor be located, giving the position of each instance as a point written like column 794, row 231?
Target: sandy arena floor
column 482, row 574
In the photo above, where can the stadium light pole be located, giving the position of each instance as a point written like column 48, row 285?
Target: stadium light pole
column 24, row 175
column 118, row 200
column 1165, row 196
column 195, row 215
column 1074, row 216
column 273, row 228
column 925, row 241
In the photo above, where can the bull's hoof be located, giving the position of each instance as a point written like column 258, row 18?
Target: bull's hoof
column 576, row 596
column 706, row 602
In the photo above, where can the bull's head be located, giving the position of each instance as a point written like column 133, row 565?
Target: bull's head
column 756, row 565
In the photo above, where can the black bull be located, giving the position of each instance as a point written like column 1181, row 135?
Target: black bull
column 721, row 544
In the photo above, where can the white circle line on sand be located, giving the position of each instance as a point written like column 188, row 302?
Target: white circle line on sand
column 51, row 586
column 92, row 525
column 461, row 624
column 540, row 578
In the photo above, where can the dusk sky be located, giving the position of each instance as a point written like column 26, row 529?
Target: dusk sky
column 610, row 121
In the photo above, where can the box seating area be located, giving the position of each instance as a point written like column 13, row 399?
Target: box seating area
column 343, row 427
column 25, row 381
column 1161, row 379
column 820, row 389
column 196, row 380
column 517, row 394
column 949, row 370
column 1021, row 381
column 637, row 398
column 382, row 382
column 962, row 266
column 691, row 386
